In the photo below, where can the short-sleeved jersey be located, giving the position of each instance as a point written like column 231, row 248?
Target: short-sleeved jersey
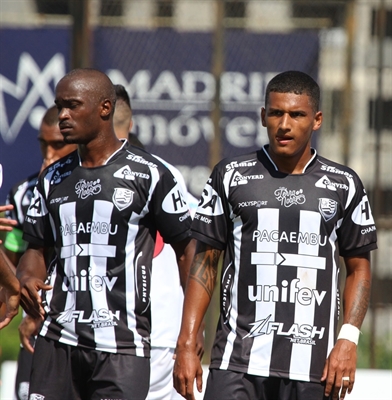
column 281, row 235
column 19, row 196
column 167, row 295
column 102, row 223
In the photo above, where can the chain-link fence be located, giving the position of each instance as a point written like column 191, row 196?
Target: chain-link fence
column 196, row 71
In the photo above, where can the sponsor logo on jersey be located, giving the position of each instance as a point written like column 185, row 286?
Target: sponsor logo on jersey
column 334, row 170
column 174, row 202
column 124, row 173
column 97, row 227
column 288, row 198
column 210, row 203
column 59, row 200
column 140, row 160
column 309, row 238
column 239, row 179
column 27, row 197
column 61, row 164
column 129, row 175
column 304, row 333
column 84, row 282
column 85, row 188
column 253, row 203
column 122, row 198
column 36, row 396
column 101, row 318
column 325, row 183
column 142, row 279
column 286, row 293
column 362, row 215
column 57, row 177
column 236, row 164
column 37, row 206
column 227, row 285
column 327, row 208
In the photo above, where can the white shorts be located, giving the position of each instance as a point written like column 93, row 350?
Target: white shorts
column 161, row 375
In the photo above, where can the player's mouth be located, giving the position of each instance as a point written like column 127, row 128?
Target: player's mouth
column 283, row 140
column 64, row 128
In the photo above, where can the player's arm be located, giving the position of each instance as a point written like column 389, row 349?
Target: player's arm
column 198, row 295
column 10, row 290
column 31, row 273
column 341, row 362
column 185, row 252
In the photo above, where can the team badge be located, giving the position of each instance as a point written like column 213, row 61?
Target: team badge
column 327, row 208
column 122, row 198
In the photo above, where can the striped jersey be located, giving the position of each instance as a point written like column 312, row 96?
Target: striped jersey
column 19, row 196
column 282, row 236
column 102, row 223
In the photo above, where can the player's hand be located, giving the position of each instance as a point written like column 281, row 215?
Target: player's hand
column 27, row 328
column 340, row 365
column 11, row 298
column 30, row 299
column 7, row 224
column 187, row 367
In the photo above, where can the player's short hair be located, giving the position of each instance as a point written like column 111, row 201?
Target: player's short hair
column 295, row 82
column 51, row 116
column 103, row 86
column 122, row 94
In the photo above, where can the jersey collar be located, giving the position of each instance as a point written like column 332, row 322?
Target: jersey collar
column 314, row 155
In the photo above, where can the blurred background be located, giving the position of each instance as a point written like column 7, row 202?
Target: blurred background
column 196, row 72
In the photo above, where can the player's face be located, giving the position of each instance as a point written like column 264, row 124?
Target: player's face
column 79, row 110
column 290, row 121
column 52, row 144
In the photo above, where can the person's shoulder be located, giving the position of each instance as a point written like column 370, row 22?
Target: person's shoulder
column 335, row 168
column 242, row 160
column 142, row 156
column 30, row 181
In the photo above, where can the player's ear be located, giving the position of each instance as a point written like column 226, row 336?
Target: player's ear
column 106, row 108
column 263, row 116
column 318, row 119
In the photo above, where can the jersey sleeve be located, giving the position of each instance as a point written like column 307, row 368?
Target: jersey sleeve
column 171, row 213
column 210, row 223
column 14, row 240
column 357, row 232
column 37, row 228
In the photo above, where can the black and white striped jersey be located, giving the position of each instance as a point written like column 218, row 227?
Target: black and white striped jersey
column 102, row 223
column 19, row 196
column 282, row 236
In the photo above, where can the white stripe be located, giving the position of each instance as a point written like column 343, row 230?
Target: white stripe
column 301, row 354
column 234, row 295
column 287, row 259
column 67, row 215
column 260, row 356
column 104, row 337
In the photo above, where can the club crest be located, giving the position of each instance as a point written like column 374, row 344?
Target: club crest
column 122, row 198
column 327, row 208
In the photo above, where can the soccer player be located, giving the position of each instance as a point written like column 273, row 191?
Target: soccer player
column 166, row 290
column 100, row 208
column 9, row 285
column 281, row 216
column 52, row 148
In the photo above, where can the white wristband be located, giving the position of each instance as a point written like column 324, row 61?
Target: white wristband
column 349, row 332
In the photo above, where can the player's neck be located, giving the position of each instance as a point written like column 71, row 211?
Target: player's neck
column 98, row 151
